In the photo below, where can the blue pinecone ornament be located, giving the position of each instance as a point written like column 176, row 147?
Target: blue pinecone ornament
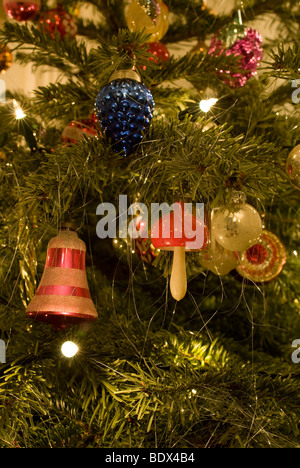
column 124, row 108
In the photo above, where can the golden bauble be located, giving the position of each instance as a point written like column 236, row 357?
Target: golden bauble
column 5, row 58
column 138, row 19
column 293, row 167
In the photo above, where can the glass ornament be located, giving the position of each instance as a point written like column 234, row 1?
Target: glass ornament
column 22, row 10
column 216, row 259
column 63, row 297
column 232, row 32
column 240, row 41
column 264, row 261
column 139, row 18
column 5, row 58
column 79, row 129
column 151, row 7
column 145, row 250
column 58, row 21
column 238, row 230
column 237, row 197
column 293, row 167
column 179, row 231
column 124, row 107
column 133, row 250
column 159, row 50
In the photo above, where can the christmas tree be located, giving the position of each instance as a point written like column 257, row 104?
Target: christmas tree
column 111, row 336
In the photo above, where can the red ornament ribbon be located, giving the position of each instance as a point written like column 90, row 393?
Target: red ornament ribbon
column 59, row 290
column 66, row 258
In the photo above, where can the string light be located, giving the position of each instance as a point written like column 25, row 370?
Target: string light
column 69, row 349
column 19, row 114
column 24, row 125
column 206, row 104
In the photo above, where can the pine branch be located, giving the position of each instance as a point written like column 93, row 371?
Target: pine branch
column 183, row 155
column 113, row 12
column 199, row 69
column 286, row 62
column 215, row 369
column 28, row 37
column 286, row 11
column 110, row 15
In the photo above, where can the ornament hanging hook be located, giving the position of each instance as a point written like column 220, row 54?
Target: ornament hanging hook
column 240, row 16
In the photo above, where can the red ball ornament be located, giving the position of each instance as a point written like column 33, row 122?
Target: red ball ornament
column 63, row 297
column 22, row 10
column 6, row 58
column 264, row 261
column 59, row 21
column 160, row 51
column 77, row 130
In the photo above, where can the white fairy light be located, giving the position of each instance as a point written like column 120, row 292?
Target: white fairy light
column 206, row 104
column 69, row 349
column 19, row 114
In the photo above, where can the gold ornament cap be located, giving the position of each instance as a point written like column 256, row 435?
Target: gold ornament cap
column 68, row 226
column 125, row 74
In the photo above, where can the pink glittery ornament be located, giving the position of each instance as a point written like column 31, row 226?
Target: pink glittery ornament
column 248, row 48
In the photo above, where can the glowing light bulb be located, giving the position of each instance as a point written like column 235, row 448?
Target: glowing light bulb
column 19, row 114
column 69, row 349
column 206, row 104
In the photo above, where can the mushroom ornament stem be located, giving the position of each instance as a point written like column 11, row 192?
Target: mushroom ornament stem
column 179, row 231
column 178, row 281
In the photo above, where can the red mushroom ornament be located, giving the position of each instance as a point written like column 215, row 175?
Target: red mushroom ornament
column 179, row 231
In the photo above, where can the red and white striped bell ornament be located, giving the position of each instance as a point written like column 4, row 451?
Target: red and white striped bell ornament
column 63, row 297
